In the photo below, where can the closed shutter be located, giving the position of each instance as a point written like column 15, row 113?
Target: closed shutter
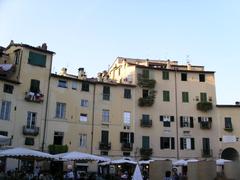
column 161, row 143
column 132, row 137
column 37, row 59
column 181, row 143
column 145, row 142
column 172, row 143
column 161, row 118
column 181, row 121
column 192, row 144
column 191, row 122
column 121, row 137
column 104, row 137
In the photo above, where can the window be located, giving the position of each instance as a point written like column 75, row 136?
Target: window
column 206, row 146
column 205, row 122
column 166, row 120
column 185, row 98
column 105, row 116
column 37, row 59
column 184, row 76
column 167, row 143
column 84, row 102
column 126, row 137
column 83, row 117
column 106, row 93
column 17, row 56
column 83, row 140
column 165, row 75
column 187, row 143
column 5, row 110
column 127, row 93
column 228, row 123
column 201, row 77
column 145, row 93
column 4, row 133
column 104, row 137
column 74, row 85
column 127, row 120
column 31, row 120
column 145, row 142
column 145, row 117
column 29, row 141
column 166, row 96
column 62, row 83
column 58, row 138
column 34, row 87
column 60, row 110
column 186, row 121
column 203, row 97
column 8, row 88
column 145, row 74
column 85, row 86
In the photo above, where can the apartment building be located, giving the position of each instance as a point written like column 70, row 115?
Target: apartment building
column 139, row 108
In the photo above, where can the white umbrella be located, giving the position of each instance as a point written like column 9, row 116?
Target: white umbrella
column 4, row 140
column 145, row 162
column 180, row 162
column 122, row 161
column 221, row 162
column 25, row 153
column 137, row 174
column 75, row 156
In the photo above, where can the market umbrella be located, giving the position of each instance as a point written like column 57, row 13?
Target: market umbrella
column 76, row 156
column 4, row 140
column 137, row 174
column 24, row 153
column 143, row 162
column 220, row 162
column 123, row 161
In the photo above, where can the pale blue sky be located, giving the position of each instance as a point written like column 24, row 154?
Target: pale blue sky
column 92, row 33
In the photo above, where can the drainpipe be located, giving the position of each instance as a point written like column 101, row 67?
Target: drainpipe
column 46, row 109
column 93, row 118
column 176, row 106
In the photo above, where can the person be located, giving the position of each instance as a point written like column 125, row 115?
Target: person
column 69, row 175
column 175, row 175
column 124, row 175
column 36, row 172
column 167, row 175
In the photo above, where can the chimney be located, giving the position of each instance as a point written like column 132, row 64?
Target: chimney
column 237, row 103
column 81, row 73
column 189, row 67
column 63, row 72
column 168, row 64
column 44, row 46
column 99, row 76
column 11, row 42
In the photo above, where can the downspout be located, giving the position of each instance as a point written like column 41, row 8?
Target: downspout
column 176, row 106
column 46, row 109
column 93, row 117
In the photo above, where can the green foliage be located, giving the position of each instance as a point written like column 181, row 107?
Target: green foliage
column 204, row 106
column 57, row 149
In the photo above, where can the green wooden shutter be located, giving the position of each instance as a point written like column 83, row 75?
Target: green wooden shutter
column 145, row 142
column 37, row 59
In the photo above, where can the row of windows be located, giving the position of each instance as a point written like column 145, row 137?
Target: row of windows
column 185, row 121
column 165, row 75
column 185, row 96
column 169, row 143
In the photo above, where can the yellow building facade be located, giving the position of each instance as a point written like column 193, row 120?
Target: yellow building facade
column 139, row 108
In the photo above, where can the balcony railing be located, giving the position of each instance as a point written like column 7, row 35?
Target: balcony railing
column 229, row 129
column 206, row 153
column 32, row 131
column 205, row 125
column 104, row 146
column 146, row 101
column 146, row 152
column 146, row 123
column 57, row 149
column 127, row 146
column 34, row 97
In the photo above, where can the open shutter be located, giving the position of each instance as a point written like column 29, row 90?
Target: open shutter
column 161, row 118
column 132, row 137
column 191, row 122
column 181, row 121
column 210, row 119
column 172, row 143
column 161, row 143
column 199, row 119
column 172, row 118
column 181, row 143
column 192, row 144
